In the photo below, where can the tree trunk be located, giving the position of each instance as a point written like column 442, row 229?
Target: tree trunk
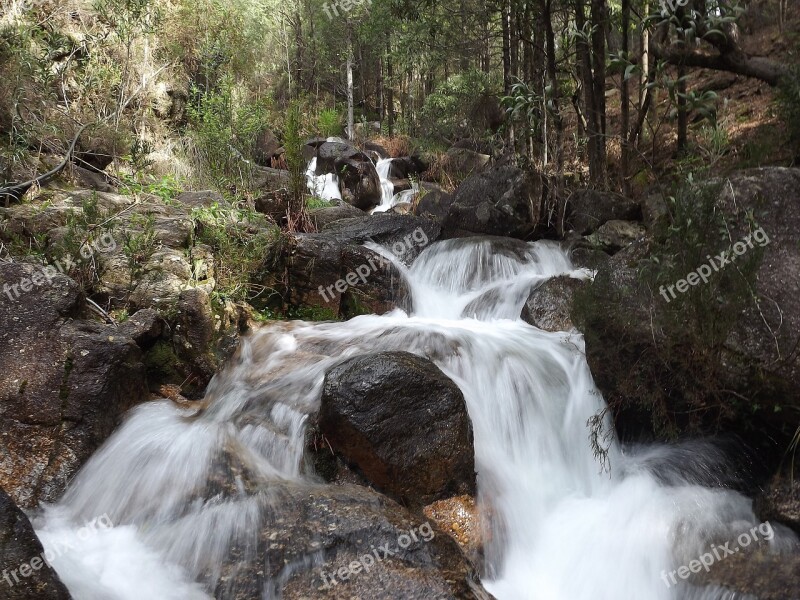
column 351, row 130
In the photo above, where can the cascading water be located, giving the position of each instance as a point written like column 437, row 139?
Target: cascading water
column 387, row 187
column 562, row 526
column 323, row 186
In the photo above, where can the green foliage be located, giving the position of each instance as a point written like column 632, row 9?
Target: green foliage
column 454, row 101
column 329, row 123
column 245, row 246
column 224, row 129
column 314, row 202
column 312, row 313
column 139, row 242
column 293, row 143
column 670, row 367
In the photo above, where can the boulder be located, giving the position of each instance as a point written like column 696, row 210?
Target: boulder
column 462, row 161
column 24, row 575
column 315, row 262
column 362, row 186
column 549, row 306
column 265, row 147
column 757, row 574
column 666, row 379
column 341, row 542
column 377, row 150
column 434, row 202
column 586, row 210
column 502, row 201
column 402, row 423
column 613, row 236
column 331, row 154
column 322, row 217
column 407, row 166
column 66, row 384
column 780, row 503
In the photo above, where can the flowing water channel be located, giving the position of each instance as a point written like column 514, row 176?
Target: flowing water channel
column 564, row 524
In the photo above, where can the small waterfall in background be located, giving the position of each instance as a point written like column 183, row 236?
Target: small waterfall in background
column 564, row 525
column 387, row 187
column 322, row 186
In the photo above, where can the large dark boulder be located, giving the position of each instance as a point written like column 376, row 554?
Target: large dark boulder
column 586, row 210
column 434, row 202
column 402, row 423
column 316, row 262
column 642, row 350
column 362, row 186
column 407, row 166
column 24, row 575
column 66, row 384
column 332, row 154
column 502, row 201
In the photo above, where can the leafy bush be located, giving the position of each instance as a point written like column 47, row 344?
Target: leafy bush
column 453, row 109
column 244, row 246
column 329, row 123
column 224, row 129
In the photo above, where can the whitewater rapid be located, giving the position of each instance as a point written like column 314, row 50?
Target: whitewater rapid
column 562, row 523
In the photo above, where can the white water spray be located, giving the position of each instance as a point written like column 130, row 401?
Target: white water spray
column 562, row 527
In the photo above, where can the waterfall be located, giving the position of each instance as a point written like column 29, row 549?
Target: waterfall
column 387, row 187
column 564, row 525
column 323, row 186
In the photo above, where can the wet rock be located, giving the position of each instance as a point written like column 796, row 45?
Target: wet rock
column 315, row 542
column 586, row 210
column 23, row 573
column 613, row 236
column 549, row 306
column 759, row 575
column 780, row 503
column 362, row 186
column 66, row 384
column 502, row 201
column 405, row 167
column 402, row 423
column 460, row 519
column 377, row 292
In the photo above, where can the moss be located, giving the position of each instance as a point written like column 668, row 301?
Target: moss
column 162, row 363
column 313, row 313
